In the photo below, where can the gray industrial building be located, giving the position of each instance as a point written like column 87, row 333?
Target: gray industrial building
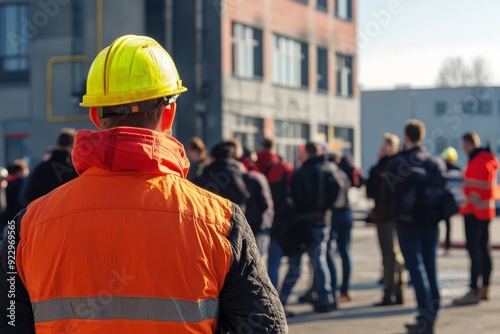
column 447, row 112
column 253, row 68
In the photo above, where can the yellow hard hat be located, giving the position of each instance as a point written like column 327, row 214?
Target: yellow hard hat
column 132, row 69
column 450, row 154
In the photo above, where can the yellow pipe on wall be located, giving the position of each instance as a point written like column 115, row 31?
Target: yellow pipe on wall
column 65, row 59
column 49, row 104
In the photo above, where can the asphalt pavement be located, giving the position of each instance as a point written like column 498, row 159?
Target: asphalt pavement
column 359, row 316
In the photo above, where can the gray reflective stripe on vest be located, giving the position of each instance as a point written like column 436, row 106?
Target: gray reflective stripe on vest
column 127, row 308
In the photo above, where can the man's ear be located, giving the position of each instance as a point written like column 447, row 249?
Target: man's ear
column 94, row 117
column 168, row 115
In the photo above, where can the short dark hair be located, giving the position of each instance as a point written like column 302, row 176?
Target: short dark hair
column 224, row 150
column 472, row 138
column 66, row 137
column 143, row 119
column 268, row 143
column 415, row 130
column 313, row 149
column 196, row 144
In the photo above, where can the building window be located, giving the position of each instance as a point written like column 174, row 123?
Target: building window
column 440, row 108
column 303, row 1
column 249, row 131
column 344, row 76
column 247, row 52
column 289, row 136
column 322, row 5
column 345, row 138
column 485, row 107
column 343, row 9
column 474, row 106
column 290, row 62
column 14, row 44
column 322, row 69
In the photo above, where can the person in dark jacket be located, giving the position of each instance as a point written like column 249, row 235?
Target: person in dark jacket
column 414, row 178
column 54, row 172
column 339, row 237
column 450, row 156
column 197, row 153
column 314, row 191
column 279, row 175
column 259, row 206
column 478, row 209
column 392, row 259
column 223, row 176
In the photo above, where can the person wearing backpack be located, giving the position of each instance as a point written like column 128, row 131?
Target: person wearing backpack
column 314, row 191
column 259, row 206
column 480, row 178
column 279, row 174
column 392, row 259
column 417, row 185
column 223, row 176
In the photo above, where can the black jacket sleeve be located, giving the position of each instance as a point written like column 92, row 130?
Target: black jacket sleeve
column 16, row 315
column 34, row 186
column 297, row 188
column 248, row 301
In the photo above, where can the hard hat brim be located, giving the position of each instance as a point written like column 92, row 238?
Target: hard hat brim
column 130, row 97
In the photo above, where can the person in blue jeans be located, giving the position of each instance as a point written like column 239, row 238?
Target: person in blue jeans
column 314, row 190
column 413, row 177
column 419, row 246
column 316, row 251
column 340, row 235
column 279, row 175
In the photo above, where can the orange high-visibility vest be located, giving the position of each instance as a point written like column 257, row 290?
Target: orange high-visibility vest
column 128, row 252
column 479, row 186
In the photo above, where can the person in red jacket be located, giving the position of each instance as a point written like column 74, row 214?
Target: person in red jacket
column 478, row 209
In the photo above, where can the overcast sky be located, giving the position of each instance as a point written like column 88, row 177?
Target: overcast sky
column 409, row 46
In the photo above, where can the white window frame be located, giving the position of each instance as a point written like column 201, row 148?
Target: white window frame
column 287, row 61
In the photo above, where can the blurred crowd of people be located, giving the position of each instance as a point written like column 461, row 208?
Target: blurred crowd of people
column 305, row 209
column 291, row 211
column 413, row 191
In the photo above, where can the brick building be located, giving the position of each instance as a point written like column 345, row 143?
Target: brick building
column 254, row 68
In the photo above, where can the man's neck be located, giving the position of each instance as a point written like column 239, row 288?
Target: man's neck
column 411, row 146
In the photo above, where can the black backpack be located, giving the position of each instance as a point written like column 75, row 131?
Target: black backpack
column 421, row 196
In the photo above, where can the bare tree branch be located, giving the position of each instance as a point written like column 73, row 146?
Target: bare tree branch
column 454, row 72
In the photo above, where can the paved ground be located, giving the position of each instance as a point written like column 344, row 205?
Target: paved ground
column 359, row 317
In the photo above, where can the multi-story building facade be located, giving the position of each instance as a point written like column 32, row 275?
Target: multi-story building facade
column 279, row 68
column 447, row 112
